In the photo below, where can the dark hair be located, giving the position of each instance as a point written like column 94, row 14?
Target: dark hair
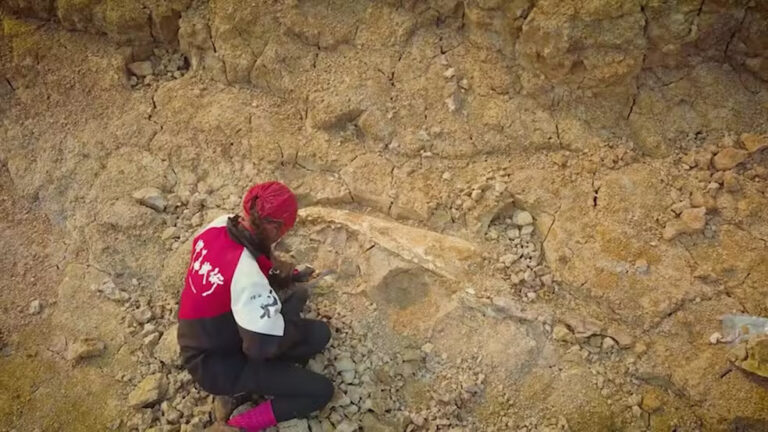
column 255, row 242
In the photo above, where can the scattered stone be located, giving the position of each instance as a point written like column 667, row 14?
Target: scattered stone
column 715, row 337
column 691, row 221
column 152, row 198
column 295, row 425
column 221, row 427
column 171, row 414
column 753, row 142
column 640, row 348
column 141, row 68
column 526, row 230
column 35, row 307
column 757, row 352
column 112, row 292
column 652, row 400
column 738, row 353
column 148, row 329
column 151, row 340
column 464, row 84
column 596, row 341
column 509, row 259
column 453, row 102
column 167, row 349
column 699, row 199
column 372, row 424
column 417, row 419
column 680, row 206
column 522, row 218
column 427, row 348
column 622, row 337
column 731, row 182
column 223, row 406
column 476, row 195
column 315, row 426
column 58, row 344
column 149, row 391
column 634, row 400
column 412, row 355
column 450, row 73
column 641, row 266
column 170, row 233
column 142, row 315
column 344, row 364
column 348, row 377
column 346, row 426
column 561, row 334
column 85, row 348
column 728, row 158
column 609, row 344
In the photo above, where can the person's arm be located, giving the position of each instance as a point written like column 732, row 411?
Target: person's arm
column 266, row 331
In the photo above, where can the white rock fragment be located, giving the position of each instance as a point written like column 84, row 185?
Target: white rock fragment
column 35, row 307
column 152, row 198
column 715, row 337
column 522, row 218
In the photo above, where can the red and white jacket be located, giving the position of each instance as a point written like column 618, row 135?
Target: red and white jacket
column 227, row 305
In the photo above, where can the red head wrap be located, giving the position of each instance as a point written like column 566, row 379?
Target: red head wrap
column 272, row 200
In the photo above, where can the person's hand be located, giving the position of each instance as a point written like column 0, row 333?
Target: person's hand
column 303, row 273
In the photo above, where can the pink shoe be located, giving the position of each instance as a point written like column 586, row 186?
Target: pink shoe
column 255, row 419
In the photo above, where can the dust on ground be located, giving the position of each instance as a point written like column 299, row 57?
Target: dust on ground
column 537, row 212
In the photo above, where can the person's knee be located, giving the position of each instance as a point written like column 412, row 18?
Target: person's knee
column 320, row 335
column 323, row 334
column 324, row 394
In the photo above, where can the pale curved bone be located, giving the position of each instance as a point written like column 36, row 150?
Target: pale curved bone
column 447, row 256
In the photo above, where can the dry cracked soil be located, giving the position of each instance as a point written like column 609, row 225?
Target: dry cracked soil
column 537, row 210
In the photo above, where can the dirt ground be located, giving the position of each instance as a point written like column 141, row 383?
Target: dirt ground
column 537, row 211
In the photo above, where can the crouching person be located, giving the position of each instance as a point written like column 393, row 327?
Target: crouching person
column 235, row 333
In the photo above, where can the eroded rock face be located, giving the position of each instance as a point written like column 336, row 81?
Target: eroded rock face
column 624, row 63
column 514, row 157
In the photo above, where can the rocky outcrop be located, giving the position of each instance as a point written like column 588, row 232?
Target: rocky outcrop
column 636, row 69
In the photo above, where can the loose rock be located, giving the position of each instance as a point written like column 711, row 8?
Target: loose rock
column 609, row 344
column 143, row 315
column 561, row 334
column 691, row 221
column 295, row 425
column 344, row 364
column 152, row 198
column 346, row 426
column 167, row 349
column 715, row 337
column 112, row 292
column 151, row 340
column 729, row 158
column 141, row 68
column 35, row 307
column 85, row 348
column 753, row 142
column 652, row 401
column 522, row 218
column 149, row 391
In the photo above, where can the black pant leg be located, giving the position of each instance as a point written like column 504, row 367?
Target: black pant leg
column 316, row 338
column 296, row 392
